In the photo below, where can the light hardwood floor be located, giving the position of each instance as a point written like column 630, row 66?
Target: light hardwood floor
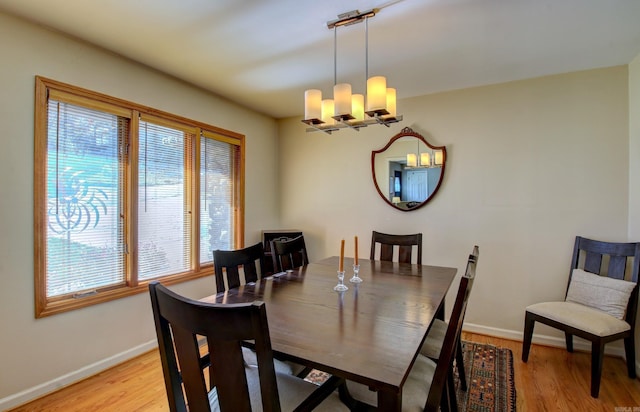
column 552, row 380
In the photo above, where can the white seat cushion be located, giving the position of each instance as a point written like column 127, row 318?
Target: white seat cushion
column 435, row 338
column 580, row 317
column 415, row 389
column 292, row 391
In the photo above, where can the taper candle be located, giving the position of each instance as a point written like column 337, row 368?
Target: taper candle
column 341, row 268
column 356, row 253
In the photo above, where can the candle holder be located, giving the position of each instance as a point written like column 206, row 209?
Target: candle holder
column 355, row 278
column 340, row 287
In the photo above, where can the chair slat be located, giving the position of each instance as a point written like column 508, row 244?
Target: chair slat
column 593, row 262
column 404, row 254
column 386, row 252
column 186, row 347
column 233, row 391
column 617, row 267
column 233, row 277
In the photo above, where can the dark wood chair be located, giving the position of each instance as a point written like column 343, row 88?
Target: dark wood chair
column 429, row 385
column 435, row 338
column 404, row 244
column 227, row 264
column 582, row 315
column 289, row 253
column 233, row 386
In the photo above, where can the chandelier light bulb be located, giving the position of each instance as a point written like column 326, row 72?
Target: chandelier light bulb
column 328, row 111
column 357, row 107
column 412, row 160
column 391, row 102
column 312, row 104
column 439, row 157
column 342, row 99
column 376, row 94
column 425, row 159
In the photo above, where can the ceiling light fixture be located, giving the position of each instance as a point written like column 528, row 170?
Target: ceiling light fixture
column 347, row 109
column 424, row 160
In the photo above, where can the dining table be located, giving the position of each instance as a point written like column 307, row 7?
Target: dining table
column 370, row 333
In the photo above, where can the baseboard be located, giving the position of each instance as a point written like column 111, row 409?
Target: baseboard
column 47, row 387
column 554, row 341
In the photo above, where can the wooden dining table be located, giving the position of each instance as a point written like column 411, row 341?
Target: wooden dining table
column 369, row 334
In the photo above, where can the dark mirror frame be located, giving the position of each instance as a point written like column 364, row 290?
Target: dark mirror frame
column 408, row 132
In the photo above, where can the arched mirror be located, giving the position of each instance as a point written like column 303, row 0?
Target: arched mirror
column 408, row 171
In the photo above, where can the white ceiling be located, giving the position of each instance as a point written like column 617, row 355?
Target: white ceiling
column 263, row 54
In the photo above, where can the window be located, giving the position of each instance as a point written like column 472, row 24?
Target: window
column 125, row 194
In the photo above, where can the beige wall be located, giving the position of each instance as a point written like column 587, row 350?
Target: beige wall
column 35, row 351
column 634, row 149
column 531, row 164
column 634, row 163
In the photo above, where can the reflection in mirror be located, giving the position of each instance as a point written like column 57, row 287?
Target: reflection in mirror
column 408, row 171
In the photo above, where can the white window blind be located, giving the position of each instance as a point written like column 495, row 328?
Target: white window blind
column 164, row 221
column 84, row 232
column 217, row 196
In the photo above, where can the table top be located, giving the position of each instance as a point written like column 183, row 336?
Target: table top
column 370, row 334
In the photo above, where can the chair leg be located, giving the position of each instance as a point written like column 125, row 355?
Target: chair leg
column 451, row 392
column 529, row 322
column 445, row 401
column 569, row 340
column 597, row 353
column 352, row 403
column 630, row 355
column 460, row 365
column 304, row 372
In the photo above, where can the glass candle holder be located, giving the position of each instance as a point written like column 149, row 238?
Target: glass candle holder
column 355, row 278
column 340, row 287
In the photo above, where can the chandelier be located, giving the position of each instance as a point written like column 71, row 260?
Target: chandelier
column 424, row 160
column 348, row 110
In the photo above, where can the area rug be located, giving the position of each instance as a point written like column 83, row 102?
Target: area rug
column 490, row 379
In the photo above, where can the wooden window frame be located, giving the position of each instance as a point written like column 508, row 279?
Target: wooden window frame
column 44, row 88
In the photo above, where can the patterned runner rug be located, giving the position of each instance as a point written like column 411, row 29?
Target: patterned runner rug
column 490, row 379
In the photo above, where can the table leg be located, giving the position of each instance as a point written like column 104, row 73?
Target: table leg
column 440, row 311
column 389, row 401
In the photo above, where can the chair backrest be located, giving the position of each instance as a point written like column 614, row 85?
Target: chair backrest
column 470, row 272
column 612, row 259
column 454, row 328
column 475, row 254
column 227, row 265
column 180, row 320
column 404, row 243
column 289, row 253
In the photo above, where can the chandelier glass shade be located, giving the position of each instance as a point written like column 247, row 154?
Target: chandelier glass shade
column 432, row 158
column 348, row 110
